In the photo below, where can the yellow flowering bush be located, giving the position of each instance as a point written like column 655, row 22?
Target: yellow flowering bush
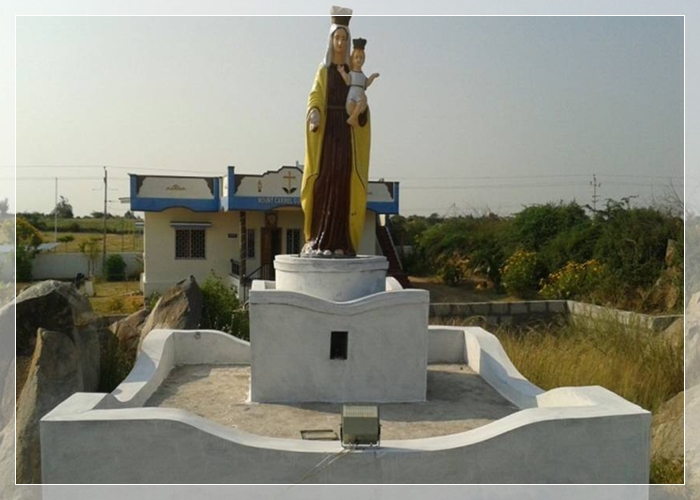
column 453, row 269
column 519, row 275
column 573, row 280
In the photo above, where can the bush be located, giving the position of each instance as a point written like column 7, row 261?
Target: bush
column 151, row 301
column 222, row 310
column 521, row 273
column 633, row 242
column 116, row 305
column 574, row 280
column 24, row 265
column 454, row 269
column 115, row 363
column 535, row 226
column 115, row 268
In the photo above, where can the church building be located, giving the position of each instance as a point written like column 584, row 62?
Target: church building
column 235, row 225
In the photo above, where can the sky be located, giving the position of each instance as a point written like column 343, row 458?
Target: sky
column 470, row 114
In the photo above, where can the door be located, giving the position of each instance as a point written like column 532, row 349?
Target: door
column 271, row 245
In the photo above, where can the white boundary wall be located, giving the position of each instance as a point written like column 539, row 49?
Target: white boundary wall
column 63, row 266
column 567, row 435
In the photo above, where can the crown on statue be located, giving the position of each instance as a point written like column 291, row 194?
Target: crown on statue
column 341, row 15
column 359, row 43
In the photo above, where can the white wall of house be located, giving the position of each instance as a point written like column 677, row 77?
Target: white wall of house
column 162, row 269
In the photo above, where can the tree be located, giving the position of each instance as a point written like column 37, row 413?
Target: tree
column 91, row 249
column 27, row 239
column 65, row 239
column 129, row 215
column 63, row 209
column 4, row 207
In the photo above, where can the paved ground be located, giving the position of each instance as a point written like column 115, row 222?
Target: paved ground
column 458, row 400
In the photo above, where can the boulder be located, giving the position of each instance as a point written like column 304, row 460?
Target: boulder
column 128, row 331
column 674, row 333
column 667, row 429
column 7, row 363
column 180, row 308
column 692, row 341
column 58, row 307
column 54, row 375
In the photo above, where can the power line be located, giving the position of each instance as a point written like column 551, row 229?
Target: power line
column 193, row 170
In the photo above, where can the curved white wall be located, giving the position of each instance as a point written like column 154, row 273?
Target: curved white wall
column 568, row 435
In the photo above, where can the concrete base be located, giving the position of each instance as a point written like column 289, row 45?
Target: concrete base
column 337, row 280
column 385, row 352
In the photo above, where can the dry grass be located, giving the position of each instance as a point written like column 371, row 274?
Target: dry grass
column 639, row 365
column 116, row 297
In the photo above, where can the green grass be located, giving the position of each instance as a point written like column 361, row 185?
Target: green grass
column 86, row 225
column 115, row 242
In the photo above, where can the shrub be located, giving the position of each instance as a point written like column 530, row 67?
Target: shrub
column 23, row 265
column 116, row 304
column 453, row 269
column 152, row 300
column 521, row 273
column 115, row 363
column 222, row 310
column 666, row 470
column 574, row 280
column 535, row 226
column 115, row 268
column 633, row 242
column 27, row 239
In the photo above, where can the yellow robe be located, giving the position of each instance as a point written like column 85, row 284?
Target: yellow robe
column 360, row 164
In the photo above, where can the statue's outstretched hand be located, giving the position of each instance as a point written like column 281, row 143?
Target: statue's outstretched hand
column 314, row 120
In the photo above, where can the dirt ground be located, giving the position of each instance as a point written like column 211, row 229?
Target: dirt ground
column 440, row 293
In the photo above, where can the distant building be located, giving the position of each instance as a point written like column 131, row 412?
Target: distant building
column 236, row 224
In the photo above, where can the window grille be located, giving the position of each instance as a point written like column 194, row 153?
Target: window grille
column 250, row 244
column 190, row 244
column 293, row 241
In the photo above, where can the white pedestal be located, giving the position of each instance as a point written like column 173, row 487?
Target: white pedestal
column 337, row 280
column 331, row 330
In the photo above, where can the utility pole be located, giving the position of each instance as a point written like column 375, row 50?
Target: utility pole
column 104, row 229
column 595, row 185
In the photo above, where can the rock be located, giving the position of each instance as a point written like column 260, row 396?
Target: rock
column 7, row 365
column 58, row 306
column 128, row 331
column 674, row 333
column 692, row 341
column 54, row 375
column 180, row 308
column 667, row 429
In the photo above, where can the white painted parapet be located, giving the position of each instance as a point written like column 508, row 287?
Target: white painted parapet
column 568, row 435
column 162, row 350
